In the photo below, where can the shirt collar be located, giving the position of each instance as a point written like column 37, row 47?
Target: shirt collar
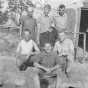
column 47, row 54
column 61, row 16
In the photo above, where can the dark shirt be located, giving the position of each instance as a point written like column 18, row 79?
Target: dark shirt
column 48, row 60
column 49, row 37
column 28, row 23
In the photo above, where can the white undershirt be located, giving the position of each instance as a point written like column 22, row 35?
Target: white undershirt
column 26, row 47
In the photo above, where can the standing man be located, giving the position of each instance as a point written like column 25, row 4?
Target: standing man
column 60, row 20
column 25, row 47
column 44, row 23
column 28, row 22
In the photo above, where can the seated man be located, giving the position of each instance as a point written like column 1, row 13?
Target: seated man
column 26, row 46
column 24, row 51
column 48, row 61
column 65, row 47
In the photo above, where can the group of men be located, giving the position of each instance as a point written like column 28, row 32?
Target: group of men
column 45, row 27
column 45, row 46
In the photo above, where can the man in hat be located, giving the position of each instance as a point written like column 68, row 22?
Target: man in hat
column 60, row 20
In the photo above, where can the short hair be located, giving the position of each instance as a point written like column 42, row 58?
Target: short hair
column 52, row 27
column 62, row 6
column 47, row 6
column 26, row 30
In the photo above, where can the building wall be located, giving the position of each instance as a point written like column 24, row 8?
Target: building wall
column 73, row 22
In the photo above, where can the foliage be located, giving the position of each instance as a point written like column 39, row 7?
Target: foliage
column 19, row 4
column 3, row 17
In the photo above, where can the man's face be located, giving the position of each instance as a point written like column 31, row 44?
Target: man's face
column 61, row 37
column 61, row 11
column 46, row 11
column 27, row 35
column 48, row 47
column 30, row 11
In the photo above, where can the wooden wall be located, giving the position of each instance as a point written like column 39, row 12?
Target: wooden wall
column 73, row 22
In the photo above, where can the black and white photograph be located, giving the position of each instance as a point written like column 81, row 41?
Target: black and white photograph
column 43, row 43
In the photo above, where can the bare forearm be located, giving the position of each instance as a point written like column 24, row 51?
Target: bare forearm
column 54, row 68
column 40, row 66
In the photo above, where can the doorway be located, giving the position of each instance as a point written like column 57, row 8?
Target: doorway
column 83, row 27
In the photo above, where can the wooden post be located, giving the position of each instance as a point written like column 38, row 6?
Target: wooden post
column 84, row 46
column 76, row 29
column 20, row 33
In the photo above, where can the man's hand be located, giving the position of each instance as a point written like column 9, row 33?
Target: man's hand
column 36, row 65
column 41, row 67
column 48, row 70
column 50, row 29
column 54, row 68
